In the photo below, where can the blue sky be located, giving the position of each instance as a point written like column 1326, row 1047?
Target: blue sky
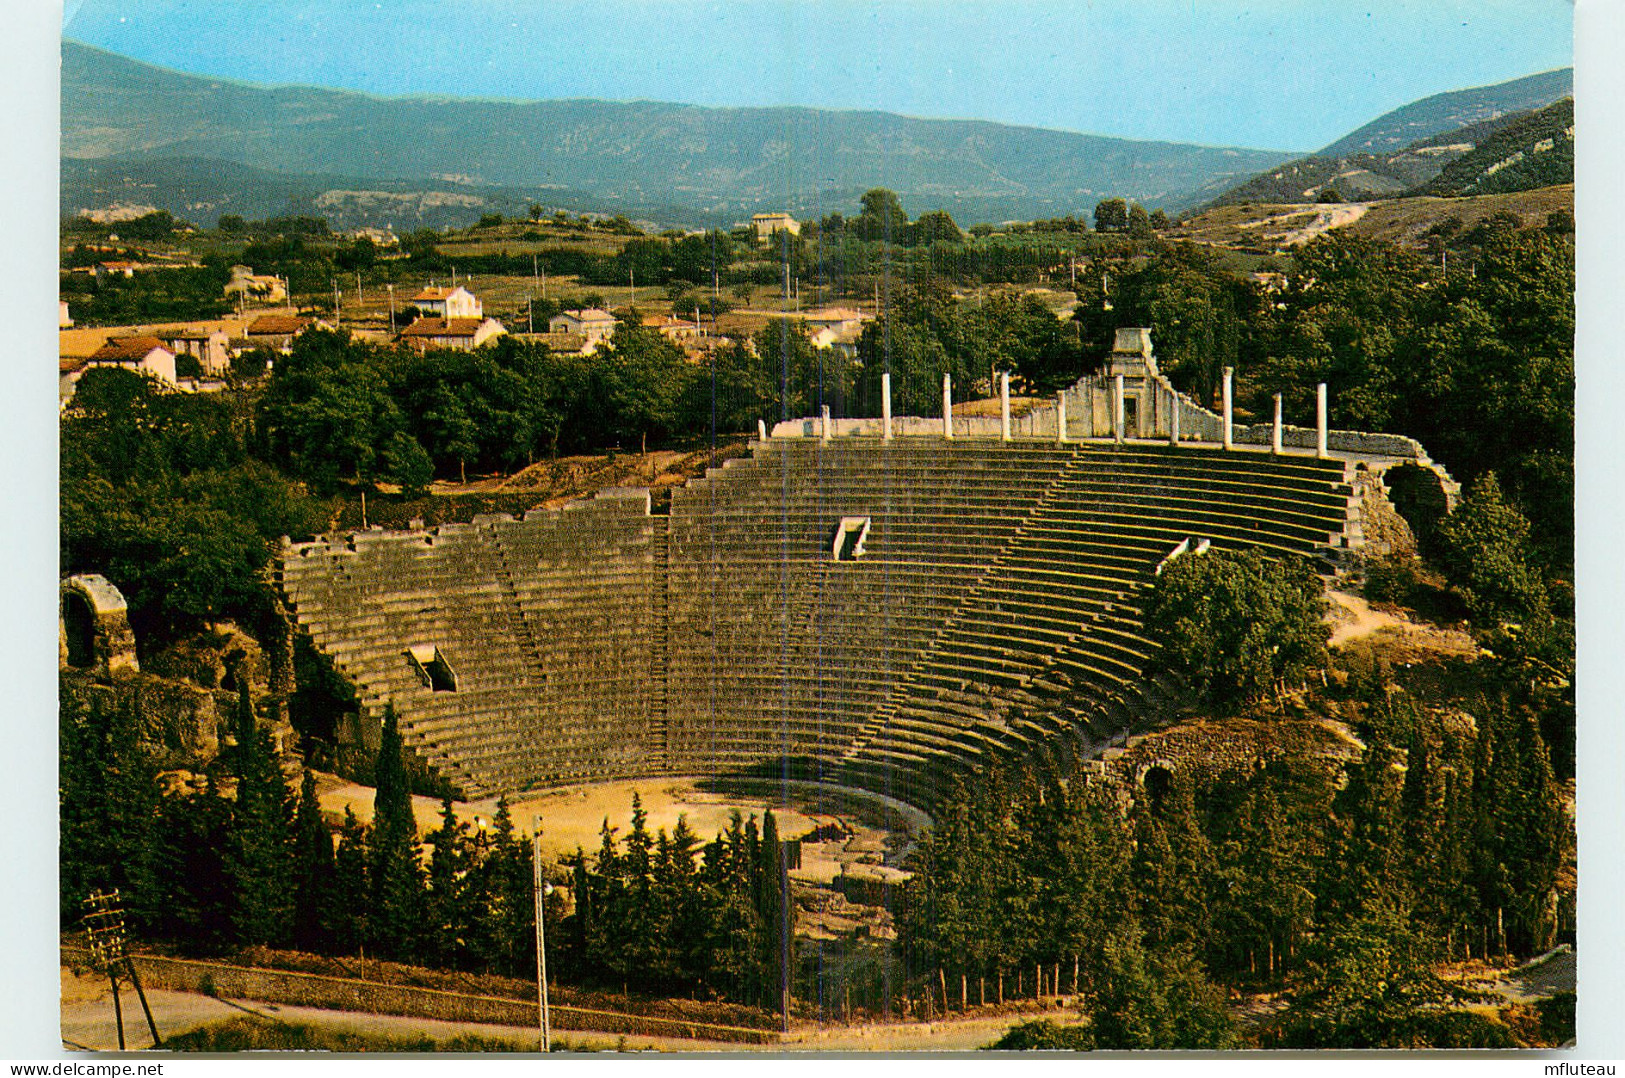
column 1277, row 74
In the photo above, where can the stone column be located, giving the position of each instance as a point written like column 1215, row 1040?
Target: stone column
column 1229, row 379
column 761, row 429
column 885, row 405
column 947, row 405
column 1173, row 417
column 1060, row 417
column 1117, row 408
column 823, row 424
column 1275, row 437
column 1320, row 420
column 1004, row 406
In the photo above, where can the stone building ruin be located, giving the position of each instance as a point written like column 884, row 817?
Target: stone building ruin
column 881, row 603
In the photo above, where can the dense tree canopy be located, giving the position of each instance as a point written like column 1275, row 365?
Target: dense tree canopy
column 1239, row 622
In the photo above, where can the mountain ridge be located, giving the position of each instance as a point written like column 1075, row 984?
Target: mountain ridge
column 719, row 162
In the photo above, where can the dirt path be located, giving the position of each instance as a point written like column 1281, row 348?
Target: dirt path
column 1327, row 217
column 1351, row 616
column 88, row 1025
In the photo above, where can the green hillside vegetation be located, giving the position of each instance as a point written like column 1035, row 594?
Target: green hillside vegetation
column 1511, row 151
column 1446, row 112
column 720, row 165
column 1405, row 150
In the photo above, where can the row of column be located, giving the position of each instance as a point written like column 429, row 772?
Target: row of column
column 1118, row 432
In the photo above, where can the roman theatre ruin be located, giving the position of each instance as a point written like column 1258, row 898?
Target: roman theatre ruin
column 875, row 603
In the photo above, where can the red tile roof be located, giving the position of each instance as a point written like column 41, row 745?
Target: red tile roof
column 434, row 293
column 274, row 325
column 441, row 327
column 127, row 349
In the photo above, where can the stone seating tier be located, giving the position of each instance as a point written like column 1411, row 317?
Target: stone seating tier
column 996, row 607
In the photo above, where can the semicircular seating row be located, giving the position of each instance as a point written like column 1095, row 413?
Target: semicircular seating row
column 994, row 609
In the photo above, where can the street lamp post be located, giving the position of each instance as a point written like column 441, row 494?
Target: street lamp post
column 543, row 889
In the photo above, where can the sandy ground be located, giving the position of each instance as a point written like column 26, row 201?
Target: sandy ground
column 572, row 816
column 1327, row 217
column 1351, row 616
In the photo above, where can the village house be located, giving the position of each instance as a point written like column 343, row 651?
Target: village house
column 567, row 344
column 146, row 355
column 837, row 328
column 453, row 303
column 671, row 328
column 464, row 334
column 64, row 320
column 592, row 323
column 211, row 347
column 277, row 331
column 763, row 225
column 380, row 237
column 258, row 287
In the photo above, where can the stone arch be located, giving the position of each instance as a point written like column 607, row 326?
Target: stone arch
column 94, row 626
column 1156, row 778
column 1421, row 496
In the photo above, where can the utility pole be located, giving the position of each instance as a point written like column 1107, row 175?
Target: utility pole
column 338, row 316
column 391, row 288
column 543, row 889
column 104, row 922
column 530, row 317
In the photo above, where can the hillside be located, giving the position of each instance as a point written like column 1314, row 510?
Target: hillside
column 717, row 165
column 1270, row 227
column 1535, row 150
column 1408, row 148
column 1446, row 112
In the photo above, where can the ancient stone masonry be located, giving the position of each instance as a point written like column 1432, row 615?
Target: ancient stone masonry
column 841, row 605
column 518, row 652
column 93, row 627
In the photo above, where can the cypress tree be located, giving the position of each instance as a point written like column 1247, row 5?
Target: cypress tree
column 446, row 920
column 314, row 875
column 347, row 914
column 774, row 909
column 396, row 879
column 261, row 849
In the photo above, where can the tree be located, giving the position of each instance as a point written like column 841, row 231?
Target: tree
column 408, row 464
column 348, row 924
column 447, row 918
column 1483, row 548
column 314, row 874
column 1111, row 215
column 259, row 854
column 1370, row 984
column 1156, row 1000
column 1159, row 220
column 882, row 217
column 1240, row 622
column 395, row 912
column 936, row 227
column 1139, row 222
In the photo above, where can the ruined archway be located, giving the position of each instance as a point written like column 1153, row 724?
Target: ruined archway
column 78, row 630
column 1420, row 496
column 94, row 626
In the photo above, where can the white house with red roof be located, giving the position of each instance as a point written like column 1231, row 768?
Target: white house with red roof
column 454, row 303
